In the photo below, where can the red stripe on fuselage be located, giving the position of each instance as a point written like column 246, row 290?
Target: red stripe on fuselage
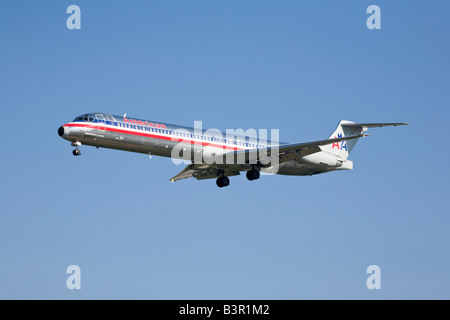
column 143, row 134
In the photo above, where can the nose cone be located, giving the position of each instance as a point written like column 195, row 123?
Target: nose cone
column 61, row 131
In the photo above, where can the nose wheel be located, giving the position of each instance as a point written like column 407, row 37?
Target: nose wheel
column 223, row 181
column 77, row 151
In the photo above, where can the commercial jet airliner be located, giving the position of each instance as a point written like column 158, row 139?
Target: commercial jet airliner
column 217, row 155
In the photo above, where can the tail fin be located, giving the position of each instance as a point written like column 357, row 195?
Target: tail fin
column 347, row 128
column 342, row 149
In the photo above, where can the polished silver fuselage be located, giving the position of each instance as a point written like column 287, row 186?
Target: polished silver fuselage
column 155, row 138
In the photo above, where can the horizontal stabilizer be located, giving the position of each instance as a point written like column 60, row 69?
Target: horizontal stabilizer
column 347, row 128
column 374, row 125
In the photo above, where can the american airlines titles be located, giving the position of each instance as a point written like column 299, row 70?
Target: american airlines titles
column 145, row 123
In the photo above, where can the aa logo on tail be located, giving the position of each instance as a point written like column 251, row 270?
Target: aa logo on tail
column 343, row 143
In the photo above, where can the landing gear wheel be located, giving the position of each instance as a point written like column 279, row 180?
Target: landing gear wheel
column 252, row 174
column 76, row 152
column 222, row 182
column 226, row 181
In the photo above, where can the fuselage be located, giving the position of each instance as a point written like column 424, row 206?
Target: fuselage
column 162, row 139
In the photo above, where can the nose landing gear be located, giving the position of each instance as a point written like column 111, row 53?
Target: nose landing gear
column 77, row 151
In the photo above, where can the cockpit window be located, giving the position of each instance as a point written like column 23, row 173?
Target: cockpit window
column 109, row 117
column 92, row 116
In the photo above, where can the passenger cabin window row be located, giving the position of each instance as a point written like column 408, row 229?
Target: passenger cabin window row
column 189, row 135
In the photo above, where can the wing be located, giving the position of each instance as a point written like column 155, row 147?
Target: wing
column 285, row 152
column 203, row 171
column 185, row 173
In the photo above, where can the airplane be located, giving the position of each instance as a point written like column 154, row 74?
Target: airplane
column 217, row 155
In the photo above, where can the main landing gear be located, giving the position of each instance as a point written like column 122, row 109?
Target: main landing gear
column 222, row 181
column 252, row 174
column 77, row 151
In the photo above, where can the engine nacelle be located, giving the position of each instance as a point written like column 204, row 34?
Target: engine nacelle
column 322, row 159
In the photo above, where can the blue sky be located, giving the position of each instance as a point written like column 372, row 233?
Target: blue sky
column 296, row 66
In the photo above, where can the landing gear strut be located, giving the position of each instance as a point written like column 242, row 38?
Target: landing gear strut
column 77, row 151
column 252, row 174
column 222, row 181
